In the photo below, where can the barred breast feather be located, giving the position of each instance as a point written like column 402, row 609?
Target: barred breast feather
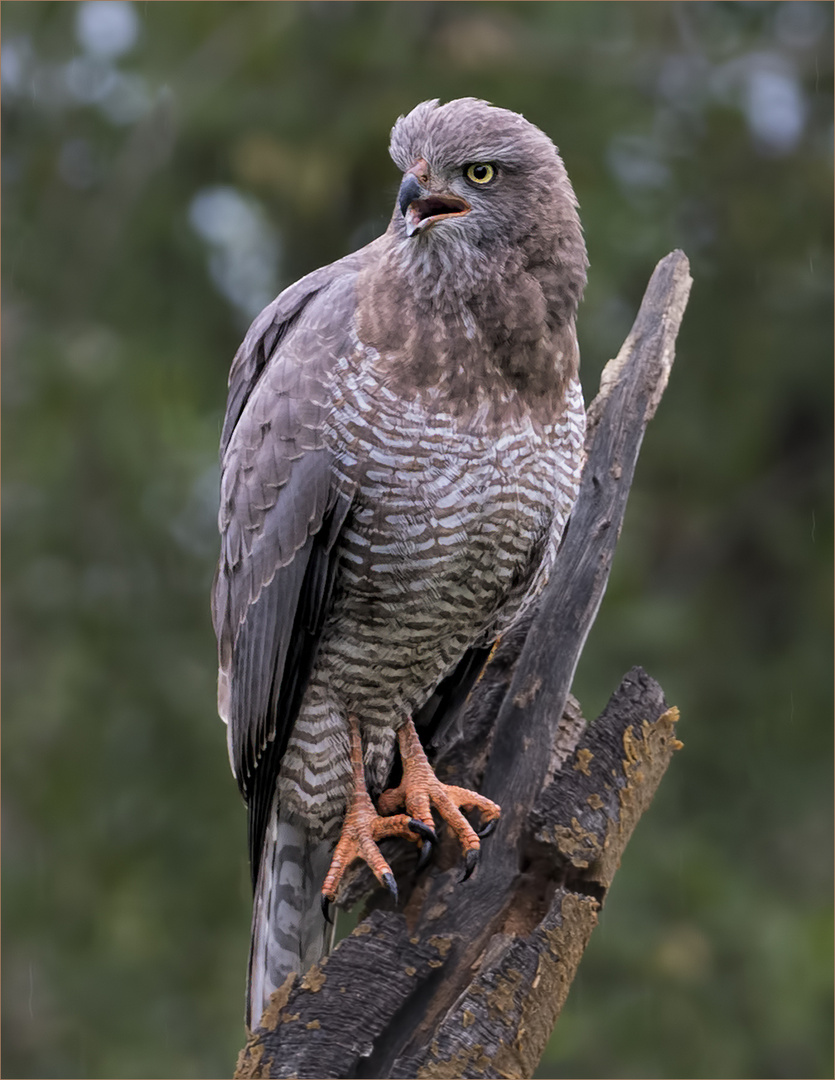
column 451, row 534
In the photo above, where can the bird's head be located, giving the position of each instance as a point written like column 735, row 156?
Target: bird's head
column 484, row 177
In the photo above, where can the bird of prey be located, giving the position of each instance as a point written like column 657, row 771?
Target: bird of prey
column 401, row 450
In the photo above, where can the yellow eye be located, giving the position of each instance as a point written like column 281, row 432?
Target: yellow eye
column 480, row 174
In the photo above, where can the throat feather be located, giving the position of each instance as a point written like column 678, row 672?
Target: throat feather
column 492, row 351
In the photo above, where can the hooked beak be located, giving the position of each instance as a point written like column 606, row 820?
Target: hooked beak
column 423, row 208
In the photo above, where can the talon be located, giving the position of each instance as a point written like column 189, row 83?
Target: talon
column 326, row 910
column 425, row 856
column 423, row 831
column 363, row 828
column 420, row 791
column 389, row 882
column 488, row 829
column 470, row 863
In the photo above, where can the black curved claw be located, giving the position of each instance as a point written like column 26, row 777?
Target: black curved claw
column 425, row 856
column 326, row 910
column 488, row 829
column 423, row 831
column 470, row 863
column 391, row 885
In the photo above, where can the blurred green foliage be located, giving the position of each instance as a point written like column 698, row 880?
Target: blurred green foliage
column 166, row 169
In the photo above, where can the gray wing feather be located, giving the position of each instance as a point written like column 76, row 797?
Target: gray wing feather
column 281, row 511
column 267, row 332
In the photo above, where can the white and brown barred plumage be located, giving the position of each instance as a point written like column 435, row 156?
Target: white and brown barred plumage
column 401, row 451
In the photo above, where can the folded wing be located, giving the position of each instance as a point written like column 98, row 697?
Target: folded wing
column 280, row 515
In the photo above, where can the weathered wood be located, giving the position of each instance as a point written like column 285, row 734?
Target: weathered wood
column 467, row 979
column 500, row 1023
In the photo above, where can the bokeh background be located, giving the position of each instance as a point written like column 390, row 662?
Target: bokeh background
column 166, row 169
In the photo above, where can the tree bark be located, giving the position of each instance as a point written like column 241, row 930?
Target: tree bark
column 468, row 979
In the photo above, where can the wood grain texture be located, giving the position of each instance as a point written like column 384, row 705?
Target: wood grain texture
column 468, row 979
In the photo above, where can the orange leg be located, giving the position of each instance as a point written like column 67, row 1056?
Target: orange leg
column 420, row 790
column 363, row 827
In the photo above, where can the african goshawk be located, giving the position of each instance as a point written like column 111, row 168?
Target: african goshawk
column 401, row 450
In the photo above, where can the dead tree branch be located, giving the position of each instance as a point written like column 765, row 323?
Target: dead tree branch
column 468, row 979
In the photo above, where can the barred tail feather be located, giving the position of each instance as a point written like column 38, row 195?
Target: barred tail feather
column 289, row 932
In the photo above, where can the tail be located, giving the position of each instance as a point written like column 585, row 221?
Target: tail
column 289, row 931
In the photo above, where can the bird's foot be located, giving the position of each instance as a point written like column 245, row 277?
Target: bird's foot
column 363, row 828
column 420, row 790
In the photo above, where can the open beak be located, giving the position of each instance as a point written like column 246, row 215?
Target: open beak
column 423, row 208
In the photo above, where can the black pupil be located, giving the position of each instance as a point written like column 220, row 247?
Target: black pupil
column 480, row 171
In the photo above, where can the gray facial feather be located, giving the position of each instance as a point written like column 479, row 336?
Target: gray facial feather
column 530, row 206
column 482, row 304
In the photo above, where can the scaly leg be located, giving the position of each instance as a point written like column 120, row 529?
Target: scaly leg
column 420, row 790
column 363, row 827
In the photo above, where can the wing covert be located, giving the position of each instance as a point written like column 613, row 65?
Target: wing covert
column 266, row 334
